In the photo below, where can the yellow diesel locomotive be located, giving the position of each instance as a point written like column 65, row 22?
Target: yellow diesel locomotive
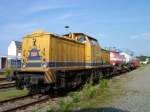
column 51, row 61
column 105, row 56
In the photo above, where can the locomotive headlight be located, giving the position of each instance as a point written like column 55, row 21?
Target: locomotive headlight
column 23, row 65
column 44, row 65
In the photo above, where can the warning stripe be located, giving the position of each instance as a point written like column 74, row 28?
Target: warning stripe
column 48, row 77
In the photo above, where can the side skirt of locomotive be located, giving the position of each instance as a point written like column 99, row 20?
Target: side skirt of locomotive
column 47, row 82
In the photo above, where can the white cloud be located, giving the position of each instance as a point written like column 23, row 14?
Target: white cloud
column 143, row 36
column 146, row 36
column 17, row 27
column 50, row 6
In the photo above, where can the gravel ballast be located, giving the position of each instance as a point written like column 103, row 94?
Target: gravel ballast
column 136, row 89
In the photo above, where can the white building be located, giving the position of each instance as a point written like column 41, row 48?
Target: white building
column 14, row 54
column 13, row 58
column 14, row 49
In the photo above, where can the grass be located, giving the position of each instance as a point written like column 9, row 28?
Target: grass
column 75, row 97
column 10, row 94
column 94, row 96
column 65, row 104
column 88, row 91
column 49, row 109
column 90, row 96
column 8, row 71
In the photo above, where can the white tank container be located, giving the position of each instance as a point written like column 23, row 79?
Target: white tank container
column 128, row 58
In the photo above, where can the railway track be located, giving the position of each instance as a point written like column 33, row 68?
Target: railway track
column 2, row 79
column 5, row 85
column 22, row 102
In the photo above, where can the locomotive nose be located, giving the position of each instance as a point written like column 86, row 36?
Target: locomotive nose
column 33, row 59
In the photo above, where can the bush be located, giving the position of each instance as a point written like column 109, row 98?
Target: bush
column 103, row 83
column 65, row 105
column 89, row 91
column 75, row 97
column 8, row 71
column 50, row 109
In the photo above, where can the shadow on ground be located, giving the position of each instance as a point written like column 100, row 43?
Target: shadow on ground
column 106, row 109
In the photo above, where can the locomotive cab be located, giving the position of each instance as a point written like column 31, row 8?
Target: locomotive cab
column 92, row 48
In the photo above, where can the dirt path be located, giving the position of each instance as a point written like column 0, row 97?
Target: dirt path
column 135, row 91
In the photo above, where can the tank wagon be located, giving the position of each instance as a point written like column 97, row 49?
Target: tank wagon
column 135, row 62
column 115, row 58
column 51, row 61
column 129, row 61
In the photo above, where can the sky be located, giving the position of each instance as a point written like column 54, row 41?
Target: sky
column 124, row 24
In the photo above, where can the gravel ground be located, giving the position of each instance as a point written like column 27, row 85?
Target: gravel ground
column 136, row 89
column 8, row 89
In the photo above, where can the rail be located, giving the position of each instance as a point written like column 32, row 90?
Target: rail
column 5, row 85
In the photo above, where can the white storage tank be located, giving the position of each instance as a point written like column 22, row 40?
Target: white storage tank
column 128, row 58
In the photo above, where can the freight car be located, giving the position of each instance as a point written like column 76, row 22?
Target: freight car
column 135, row 62
column 130, row 62
column 51, row 61
column 116, row 59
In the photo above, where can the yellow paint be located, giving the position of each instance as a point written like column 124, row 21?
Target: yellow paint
column 105, row 56
column 92, row 52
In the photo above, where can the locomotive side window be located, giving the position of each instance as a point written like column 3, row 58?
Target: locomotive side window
column 93, row 42
column 82, row 39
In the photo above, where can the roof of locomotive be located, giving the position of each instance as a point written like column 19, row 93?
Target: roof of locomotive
column 40, row 33
column 105, row 50
column 113, row 51
column 47, row 33
column 78, row 33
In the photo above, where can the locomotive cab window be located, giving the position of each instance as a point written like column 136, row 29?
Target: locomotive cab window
column 82, row 39
column 93, row 42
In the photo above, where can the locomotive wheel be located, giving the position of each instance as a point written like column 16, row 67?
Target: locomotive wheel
column 33, row 89
column 48, row 90
column 20, row 83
